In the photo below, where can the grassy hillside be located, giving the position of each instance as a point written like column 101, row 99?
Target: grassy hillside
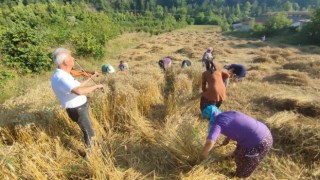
column 147, row 122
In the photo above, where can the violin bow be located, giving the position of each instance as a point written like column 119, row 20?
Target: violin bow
column 86, row 72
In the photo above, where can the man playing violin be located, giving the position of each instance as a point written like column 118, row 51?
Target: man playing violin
column 71, row 92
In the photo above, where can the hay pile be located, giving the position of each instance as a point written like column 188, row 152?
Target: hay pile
column 156, row 49
column 194, row 75
column 259, row 53
column 228, row 50
column 143, row 46
column 306, row 105
column 219, row 51
column 140, row 56
column 285, row 53
column 269, row 58
column 185, row 50
column 257, row 72
column 289, row 77
column 293, row 134
column 310, row 67
column 277, row 58
column 182, row 88
column 262, row 59
column 278, row 55
column 30, row 106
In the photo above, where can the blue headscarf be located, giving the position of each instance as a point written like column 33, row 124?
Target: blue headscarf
column 211, row 112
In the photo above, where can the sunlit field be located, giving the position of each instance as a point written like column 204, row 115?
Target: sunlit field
column 148, row 123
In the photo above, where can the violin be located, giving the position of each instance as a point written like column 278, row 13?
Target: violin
column 81, row 73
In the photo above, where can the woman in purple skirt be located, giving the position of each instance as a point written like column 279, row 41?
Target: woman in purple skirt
column 253, row 138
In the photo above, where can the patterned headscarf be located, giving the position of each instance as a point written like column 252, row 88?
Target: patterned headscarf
column 211, row 112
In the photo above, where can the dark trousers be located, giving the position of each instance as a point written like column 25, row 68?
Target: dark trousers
column 204, row 103
column 80, row 115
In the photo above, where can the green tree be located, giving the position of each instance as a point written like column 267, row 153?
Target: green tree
column 312, row 30
column 23, row 50
column 296, row 6
column 277, row 24
column 213, row 19
column 159, row 12
column 87, row 45
column 247, row 8
column 200, row 18
column 287, row 6
column 238, row 10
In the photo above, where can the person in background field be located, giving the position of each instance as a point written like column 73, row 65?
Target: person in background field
column 213, row 87
column 237, row 70
column 207, row 56
column 107, row 69
column 254, row 139
column 185, row 63
column 71, row 93
column 165, row 63
column 123, row 66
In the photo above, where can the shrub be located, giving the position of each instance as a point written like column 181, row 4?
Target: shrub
column 5, row 76
column 86, row 45
column 22, row 49
column 277, row 24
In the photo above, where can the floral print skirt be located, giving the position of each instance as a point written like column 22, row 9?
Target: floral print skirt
column 247, row 160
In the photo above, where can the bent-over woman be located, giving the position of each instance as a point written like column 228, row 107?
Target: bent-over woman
column 254, row 139
column 164, row 63
column 237, row 70
column 213, row 87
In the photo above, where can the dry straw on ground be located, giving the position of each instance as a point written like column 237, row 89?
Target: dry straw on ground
column 304, row 104
column 257, row 72
column 228, row 50
column 156, row 49
column 289, row 77
column 219, row 51
column 300, row 137
column 143, row 46
column 262, row 59
column 259, row 53
column 186, row 50
column 269, row 58
column 139, row 56
column 147, row 123
column 277, row 58
column 310, row 67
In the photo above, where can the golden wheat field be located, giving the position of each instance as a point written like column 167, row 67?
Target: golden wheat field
column 148, row 124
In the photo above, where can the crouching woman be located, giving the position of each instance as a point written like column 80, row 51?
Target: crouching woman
column 253, row 138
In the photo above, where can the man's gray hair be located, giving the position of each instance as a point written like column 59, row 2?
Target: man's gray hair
column 59, row 55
